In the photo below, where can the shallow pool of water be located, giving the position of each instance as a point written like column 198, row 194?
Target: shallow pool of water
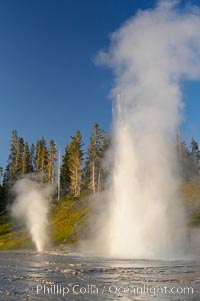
column 27, row 275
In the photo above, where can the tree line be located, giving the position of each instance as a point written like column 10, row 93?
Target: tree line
column 78, row 171
column 189, row 158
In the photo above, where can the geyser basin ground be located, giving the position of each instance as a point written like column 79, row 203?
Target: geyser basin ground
column 22, row 273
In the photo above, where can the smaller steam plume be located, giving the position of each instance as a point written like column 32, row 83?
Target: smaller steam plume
column 31, row 205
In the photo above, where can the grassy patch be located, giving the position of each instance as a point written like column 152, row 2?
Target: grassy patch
column 191, row 197
column 11, row 238
column 68, row 222
column 195, row 219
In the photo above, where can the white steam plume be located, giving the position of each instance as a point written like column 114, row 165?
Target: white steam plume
column 31, row 205
column 150, row 54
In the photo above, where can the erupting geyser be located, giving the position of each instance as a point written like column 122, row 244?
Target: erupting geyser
column 31, row 205
column 151, row 55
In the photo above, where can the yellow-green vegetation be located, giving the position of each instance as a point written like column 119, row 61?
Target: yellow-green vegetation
column 69, row 219
column 12, row 236
column 191, row 197
column 68, row 222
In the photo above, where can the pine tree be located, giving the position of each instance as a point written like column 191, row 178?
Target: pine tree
column 93, row 160
column 26, row 162
column 1, row 175
column 93, row 167
column 194, row 148
column 188, row 158
column 2, row 192
column 10, row 170
column 32, row 157
column 75, row 164
column 184, row 159
column 41, row 160
column 38, row 157
column 195, row 155
column 64, row 173
column 104, row 145
column 11, row 167
column 19, row 157
column 13, row 153
column 51, row 161
column 19, row 160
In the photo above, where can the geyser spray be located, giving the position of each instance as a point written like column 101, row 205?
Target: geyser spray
column 31, row 205
column 151, row 54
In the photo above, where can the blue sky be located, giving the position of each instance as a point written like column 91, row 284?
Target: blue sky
column 49, row 85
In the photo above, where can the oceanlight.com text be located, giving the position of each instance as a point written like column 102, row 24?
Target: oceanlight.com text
column 112, row 289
